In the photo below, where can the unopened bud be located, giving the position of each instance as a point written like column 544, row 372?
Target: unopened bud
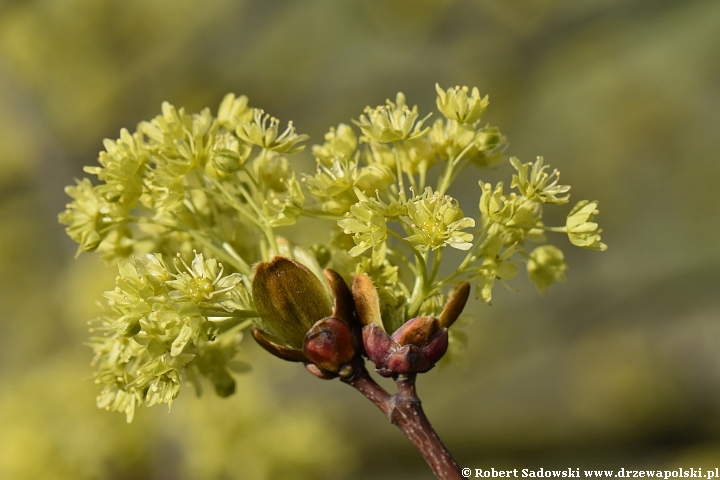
column 435, row 349
column 367, row 300
column 226, row 161
column 378, row 344
column 408, row 359
column 416, row 331
column 455, row 304
column 329, row 344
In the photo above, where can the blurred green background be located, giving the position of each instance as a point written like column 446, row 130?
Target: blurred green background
column 620, row 367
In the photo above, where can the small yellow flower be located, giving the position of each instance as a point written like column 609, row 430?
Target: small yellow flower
column 456, row 105
column 581, row 229
column 495, row 267
column 366, row 223
column 233, row 111
column 392, row 122
column 538, row 185
column 435, row 221
column 263, row 131
column 340, row 142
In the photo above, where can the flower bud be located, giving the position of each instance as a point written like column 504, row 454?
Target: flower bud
column 275, row 171
column 226, row 161
column 414, row 359
column 436, row 348
column 408, row 359
column 488, row 138
column 424, row 343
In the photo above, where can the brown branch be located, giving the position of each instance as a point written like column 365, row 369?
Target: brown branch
column 404, row 410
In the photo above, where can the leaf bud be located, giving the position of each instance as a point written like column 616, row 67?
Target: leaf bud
column 329, row 344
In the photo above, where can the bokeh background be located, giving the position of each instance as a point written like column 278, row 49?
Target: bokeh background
column 620, row 367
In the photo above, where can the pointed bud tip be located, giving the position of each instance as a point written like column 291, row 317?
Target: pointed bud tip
column 416, row 331
column 344, row 306
column 455, row 305
column 367, row 301
column 378, row 344
column 286, row 353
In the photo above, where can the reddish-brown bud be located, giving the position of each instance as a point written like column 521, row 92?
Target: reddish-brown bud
column 408, row 359
column 329, row 344
column 455, row 304
column 343, row 307
column 414, row 348
column 416, row 331
column 378, row 344
column 435, row 349
column 367, row 301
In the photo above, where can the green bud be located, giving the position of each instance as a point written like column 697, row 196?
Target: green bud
column 546, row 266
column 488, row 138
column 289, row 299
column 226, row 161
column 275, row 171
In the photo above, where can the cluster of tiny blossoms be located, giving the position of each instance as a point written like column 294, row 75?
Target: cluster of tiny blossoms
column 207, row 190
column 163, row 326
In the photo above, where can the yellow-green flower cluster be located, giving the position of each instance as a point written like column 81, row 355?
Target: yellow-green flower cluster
column 511, row 220
column 215, row 181
column 333, row 186
column 224, row 185
column 101, row 212
column 159, row 329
